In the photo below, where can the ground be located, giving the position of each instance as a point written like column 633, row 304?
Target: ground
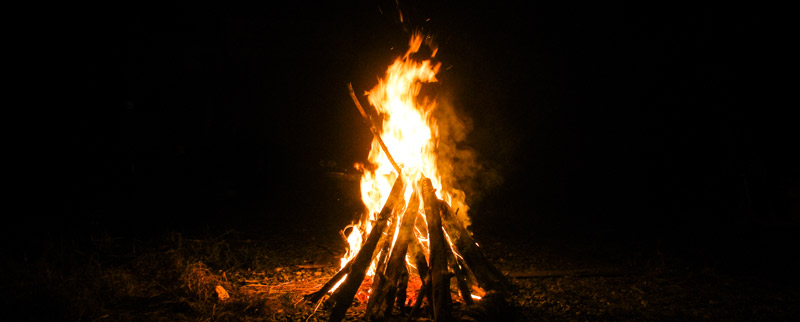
column 265, row 269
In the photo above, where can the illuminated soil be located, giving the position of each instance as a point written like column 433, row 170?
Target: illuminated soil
column 266, row 270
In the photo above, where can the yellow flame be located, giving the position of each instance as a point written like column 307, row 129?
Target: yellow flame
column 411, row 135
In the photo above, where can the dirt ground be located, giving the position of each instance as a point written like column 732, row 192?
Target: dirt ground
column 247, row 265
column 175, row 277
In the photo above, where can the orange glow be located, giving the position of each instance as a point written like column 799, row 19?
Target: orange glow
column 407, row 126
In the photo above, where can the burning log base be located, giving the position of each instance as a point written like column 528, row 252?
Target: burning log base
column 461, row 258
column 409, row 234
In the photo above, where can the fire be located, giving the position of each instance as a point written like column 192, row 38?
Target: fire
column 411, row 133
column 412, row 224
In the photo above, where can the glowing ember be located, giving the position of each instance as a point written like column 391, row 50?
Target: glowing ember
column 415, row 221
column 411, row 134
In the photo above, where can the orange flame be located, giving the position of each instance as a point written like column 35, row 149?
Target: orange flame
column 411, row 135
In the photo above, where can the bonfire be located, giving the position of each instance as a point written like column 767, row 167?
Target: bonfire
column 412, row 241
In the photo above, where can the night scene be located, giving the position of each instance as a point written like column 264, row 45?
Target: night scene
column 414, row 161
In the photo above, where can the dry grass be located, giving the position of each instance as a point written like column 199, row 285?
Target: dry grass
column 173, row 278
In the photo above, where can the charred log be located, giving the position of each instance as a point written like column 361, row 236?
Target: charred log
column 462, row 279
column 402, row 289
column 440, row 277
column 343, row 296
column 422, row 270
column 317, row 296
column 424, row 292
column 384, row 291
column 487, row 276
column 379, row 281
column 419, row 259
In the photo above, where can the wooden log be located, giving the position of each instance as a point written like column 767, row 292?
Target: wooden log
column 383, row 293
column 423, row 292
column 440, row 277
column 425, row 278
column 373, row 128
column 386, row 245
column 461, row 273
column 343, row 296
column 460, row 269
column 316, row 296
column 487, row 276
column 419, row 259
column 402, row 289
column 380, row 279
column 423, row 271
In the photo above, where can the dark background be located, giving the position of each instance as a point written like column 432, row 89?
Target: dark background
column 631, row 122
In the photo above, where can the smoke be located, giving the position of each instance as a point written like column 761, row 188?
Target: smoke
column 464, row 175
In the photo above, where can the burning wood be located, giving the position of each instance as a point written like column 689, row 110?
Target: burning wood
column 487, row 275
column 343, row 296
column 373, row 128
column 415, row 231
column 440, row 276
column 388, row 287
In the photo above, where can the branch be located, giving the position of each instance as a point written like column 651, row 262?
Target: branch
column 372, row 128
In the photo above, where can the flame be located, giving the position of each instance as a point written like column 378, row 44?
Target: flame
column 412, row 136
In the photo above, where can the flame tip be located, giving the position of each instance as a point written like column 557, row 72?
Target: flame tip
column 406, row 123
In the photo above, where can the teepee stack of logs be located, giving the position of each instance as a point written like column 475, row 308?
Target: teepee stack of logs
column 450, row 257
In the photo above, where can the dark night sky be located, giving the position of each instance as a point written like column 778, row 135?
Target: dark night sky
column 646, row 117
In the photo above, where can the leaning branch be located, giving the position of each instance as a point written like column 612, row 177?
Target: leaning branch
column 343, row 296
column 372, row 128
